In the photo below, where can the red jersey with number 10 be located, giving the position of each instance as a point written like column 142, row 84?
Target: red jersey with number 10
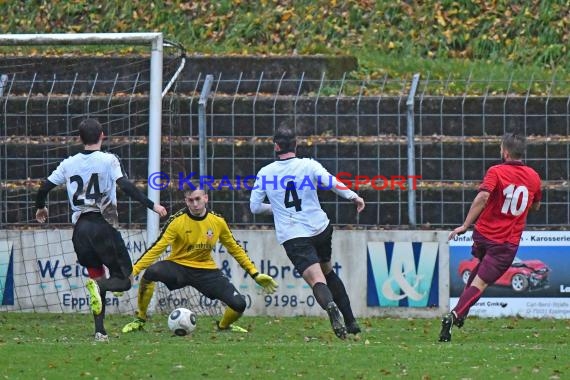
column 513, row 188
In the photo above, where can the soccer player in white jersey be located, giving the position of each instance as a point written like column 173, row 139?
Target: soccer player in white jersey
column 91, row 177
column 302, row 227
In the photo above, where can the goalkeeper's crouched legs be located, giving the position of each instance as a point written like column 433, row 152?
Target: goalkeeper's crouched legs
column 146, row 289
column 135, row 325
column 236, row 302
column 235, row 307
column 229, row 317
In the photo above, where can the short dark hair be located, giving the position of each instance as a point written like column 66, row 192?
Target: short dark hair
column 90, row 131
column 189, row 190
column 193, row 185
column 286, row 139
column 515, row 144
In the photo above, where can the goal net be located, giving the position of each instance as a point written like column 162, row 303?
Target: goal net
column 48, row 84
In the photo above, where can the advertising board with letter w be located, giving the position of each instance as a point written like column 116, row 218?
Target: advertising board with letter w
column 403, row 274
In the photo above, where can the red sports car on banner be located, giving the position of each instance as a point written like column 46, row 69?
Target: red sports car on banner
column 522, row 275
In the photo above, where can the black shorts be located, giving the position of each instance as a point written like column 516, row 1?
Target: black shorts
column 306, row 251
column 97, row 243
column 210, row 282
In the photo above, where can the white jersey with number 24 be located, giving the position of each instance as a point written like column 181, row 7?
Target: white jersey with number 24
column 90, row 178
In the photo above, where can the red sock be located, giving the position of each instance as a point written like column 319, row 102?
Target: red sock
column 468, row 298
column 96, row 272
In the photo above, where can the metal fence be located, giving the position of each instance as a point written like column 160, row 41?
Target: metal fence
column 354, row 127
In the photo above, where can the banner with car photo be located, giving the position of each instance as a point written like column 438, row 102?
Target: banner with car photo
column 536, row 285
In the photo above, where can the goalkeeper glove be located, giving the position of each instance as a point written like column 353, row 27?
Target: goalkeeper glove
column 266, row 282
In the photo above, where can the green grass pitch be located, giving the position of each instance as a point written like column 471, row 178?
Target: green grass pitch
column 61, row 346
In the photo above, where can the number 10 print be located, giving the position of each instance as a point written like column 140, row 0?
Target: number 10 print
column 512, row 196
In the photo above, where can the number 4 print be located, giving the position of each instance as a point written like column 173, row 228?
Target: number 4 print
column 516, row 199
column 291, row 192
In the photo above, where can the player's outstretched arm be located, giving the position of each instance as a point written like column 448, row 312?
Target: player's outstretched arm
column 256, row 204
column 337, row 187
column 42, row 215
column 261, row 208
column 159, row 209
column 477, row 207
column 458, row 231
column 42, row 211
column 136, row 194
column 266, row 282
column 359, row 202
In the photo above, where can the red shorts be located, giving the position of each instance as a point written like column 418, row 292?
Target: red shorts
column 496, row 258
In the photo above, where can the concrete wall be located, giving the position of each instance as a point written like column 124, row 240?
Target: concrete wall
column 46, row 277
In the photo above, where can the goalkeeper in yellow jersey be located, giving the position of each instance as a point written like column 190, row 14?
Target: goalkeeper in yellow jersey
column 192, row 233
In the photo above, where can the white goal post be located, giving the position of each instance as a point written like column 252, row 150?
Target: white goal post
column 40, row 101
column 155, row 40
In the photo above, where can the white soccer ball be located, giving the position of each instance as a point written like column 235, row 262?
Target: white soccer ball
column 182, row 321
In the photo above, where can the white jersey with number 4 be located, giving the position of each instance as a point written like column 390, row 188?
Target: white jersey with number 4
column 291, row 186
column 90, row 178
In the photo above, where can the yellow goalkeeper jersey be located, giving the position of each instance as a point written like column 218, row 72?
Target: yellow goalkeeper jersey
column 192, row 240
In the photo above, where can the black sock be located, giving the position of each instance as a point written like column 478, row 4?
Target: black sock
column 340, row 296
column 322, row 294
column 99, row 325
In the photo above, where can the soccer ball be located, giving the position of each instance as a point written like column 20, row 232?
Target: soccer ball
column 182, row 321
